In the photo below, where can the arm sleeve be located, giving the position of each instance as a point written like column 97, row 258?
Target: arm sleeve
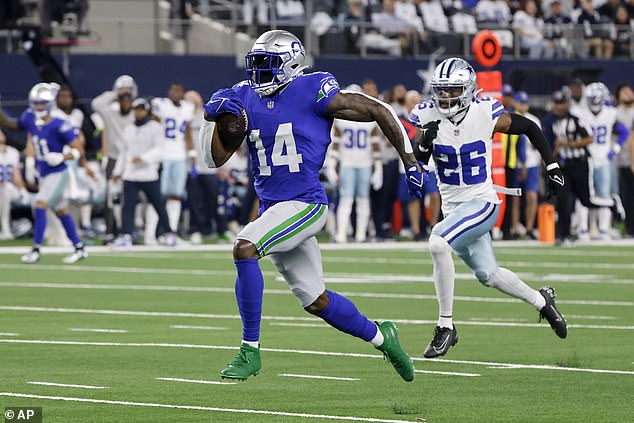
column 326, row 88
column 100, row 103
column 521, row 125
column 154, row 154
column 622, row 132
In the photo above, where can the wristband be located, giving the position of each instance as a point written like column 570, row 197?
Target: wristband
column 553, row 165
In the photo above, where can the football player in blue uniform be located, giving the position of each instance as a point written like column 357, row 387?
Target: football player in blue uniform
column 288, row 115
column 48, row 136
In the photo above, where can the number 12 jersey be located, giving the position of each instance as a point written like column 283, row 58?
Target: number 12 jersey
column 462, row 152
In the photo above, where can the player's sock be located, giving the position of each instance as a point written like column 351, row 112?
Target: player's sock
column 605, row 219
column 5, row 211
column 249, row 290
column 508, row 282
column 71, row 230
column 151, row 222
column 342, row 314
column 582, row 215
column 85, row 212
column 363, row 217
column 344, row 208
column 40, row 226
column 173, row 213
column 444, row 275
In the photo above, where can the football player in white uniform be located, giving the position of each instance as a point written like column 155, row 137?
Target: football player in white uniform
column 357, row 149
column 602, row 117
column 457, row 128
column 11, row 185
column 176, row 115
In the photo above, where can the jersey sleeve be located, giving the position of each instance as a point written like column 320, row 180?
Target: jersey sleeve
column 323, row 87
column 421, row 114
column 157, row 110
column 496, row 109
column 68, row 133
column 25, row 119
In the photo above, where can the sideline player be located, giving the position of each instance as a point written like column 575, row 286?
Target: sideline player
column 602, row 118
column 290, row 115
column 357, row 149
column 457, row 128
column 175, row 115
column 11, row 185
column 48, row 136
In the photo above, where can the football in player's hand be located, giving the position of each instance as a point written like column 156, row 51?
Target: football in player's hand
column 232, row 129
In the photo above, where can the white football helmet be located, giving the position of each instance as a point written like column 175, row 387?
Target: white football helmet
column 42, row 98
column 276, row 58
column 597, row 94
column 453, row 86
column 126, row 81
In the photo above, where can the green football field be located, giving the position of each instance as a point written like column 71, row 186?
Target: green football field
column 142, row 336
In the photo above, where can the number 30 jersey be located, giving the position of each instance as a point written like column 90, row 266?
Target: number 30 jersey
column 288, row 136
column 462, row 152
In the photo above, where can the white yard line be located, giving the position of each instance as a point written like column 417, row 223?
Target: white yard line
column 305, row 352
column 433, row 372
column 201, row 408
column 199, row 327
column 9, row 334
column 301, row 325
column 291, row 318
column 318, row 377
column 65, row 385
column 98, row 330
column 379, row 295
column 202, row 382
column 581, row 316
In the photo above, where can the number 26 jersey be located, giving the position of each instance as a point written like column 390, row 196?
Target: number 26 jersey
column 462, row 152
column 288, row 136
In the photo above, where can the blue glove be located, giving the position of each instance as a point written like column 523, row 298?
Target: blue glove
column 416, row 179
column 224, row 101
column 611, row 154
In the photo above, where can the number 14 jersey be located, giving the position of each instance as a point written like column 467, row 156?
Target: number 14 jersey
column 288, row 135
column 462, row 152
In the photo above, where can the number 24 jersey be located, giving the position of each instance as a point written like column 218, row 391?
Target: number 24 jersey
column 462, row 152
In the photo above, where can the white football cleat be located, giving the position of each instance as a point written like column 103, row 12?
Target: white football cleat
column 169, row 239
column 32, row 257
column 79, row 254
column 121, row 243
column 196, row 238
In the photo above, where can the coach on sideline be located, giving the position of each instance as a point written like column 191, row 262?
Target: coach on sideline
column 139, row 157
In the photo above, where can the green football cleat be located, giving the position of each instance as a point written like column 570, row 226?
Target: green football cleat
column 392, row 350
column 246, row 363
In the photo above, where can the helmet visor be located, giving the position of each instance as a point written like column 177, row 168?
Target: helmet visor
column 448, row 96
column 262, row 67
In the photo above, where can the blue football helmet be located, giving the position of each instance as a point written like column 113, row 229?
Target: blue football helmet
column 276, row 58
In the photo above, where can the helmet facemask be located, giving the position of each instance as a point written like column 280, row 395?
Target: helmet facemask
column 265, row 71
column 450, row 99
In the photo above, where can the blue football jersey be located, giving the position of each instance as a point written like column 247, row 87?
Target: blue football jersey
column 288, row 136
column 49, row 138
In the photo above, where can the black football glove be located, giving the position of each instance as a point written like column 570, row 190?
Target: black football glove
column 554, row 179
column 430, row 132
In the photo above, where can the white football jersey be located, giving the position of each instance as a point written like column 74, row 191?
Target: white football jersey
column 462, row 152
column 174, row 120
column 75, row 118
column 533, row 158
column 355, row 142
column 9, row 160
column 602, row 125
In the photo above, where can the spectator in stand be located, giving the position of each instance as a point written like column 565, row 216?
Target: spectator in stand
column 622, row 43
column 354, row 14
column 530, row 28
column 395, row 32
column 598, row 39
column 397, row 100
column 608, row 9
column 625, row 107
column 495, row 12
column 556, row 23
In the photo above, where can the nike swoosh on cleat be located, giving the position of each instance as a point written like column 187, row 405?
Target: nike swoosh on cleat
column 442, row 346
